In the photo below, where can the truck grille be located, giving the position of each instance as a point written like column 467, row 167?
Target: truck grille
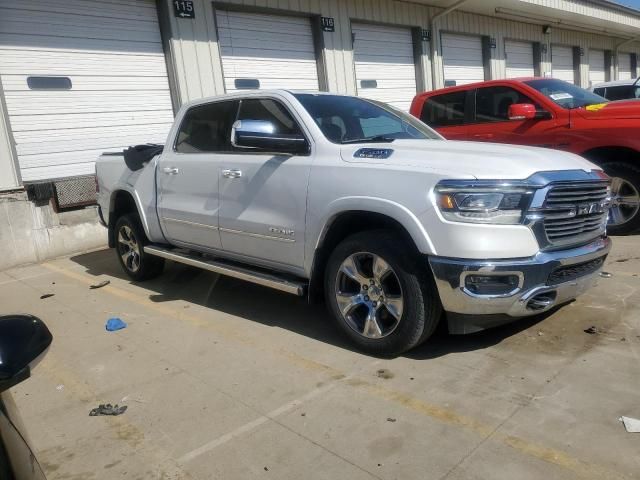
column 575, row 213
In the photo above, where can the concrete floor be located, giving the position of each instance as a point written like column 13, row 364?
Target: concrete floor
column 224, row 379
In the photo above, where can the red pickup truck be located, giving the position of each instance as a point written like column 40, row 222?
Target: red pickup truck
column 545, row 112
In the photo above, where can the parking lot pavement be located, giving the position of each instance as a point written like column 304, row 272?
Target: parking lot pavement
column 225, row 379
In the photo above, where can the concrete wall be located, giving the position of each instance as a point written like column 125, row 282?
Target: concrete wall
column 31, row 233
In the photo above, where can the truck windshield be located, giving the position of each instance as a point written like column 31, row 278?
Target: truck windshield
column 565, row 94
column 344, row 119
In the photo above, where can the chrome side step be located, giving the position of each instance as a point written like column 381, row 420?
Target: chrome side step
column 259, row 277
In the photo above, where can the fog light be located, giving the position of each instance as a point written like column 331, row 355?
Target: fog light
column 491, row 284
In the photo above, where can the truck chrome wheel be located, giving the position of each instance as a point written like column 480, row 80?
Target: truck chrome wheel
column 129, row 248
column 369, row 295
column 625, row 201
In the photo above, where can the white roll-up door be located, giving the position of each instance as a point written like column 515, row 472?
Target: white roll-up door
column 266, row 51
column 596, row 67
column 562, row 63
column 519, row 59
column 462, row 59
column 624, row 66
column 384, row 64
column 81, row 78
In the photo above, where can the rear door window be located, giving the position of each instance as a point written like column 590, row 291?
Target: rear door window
column 207, row 128
column 444, row 110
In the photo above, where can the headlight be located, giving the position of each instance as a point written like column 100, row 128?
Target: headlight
column 482, row 203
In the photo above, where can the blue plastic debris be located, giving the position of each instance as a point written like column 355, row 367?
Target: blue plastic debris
column 114, row 324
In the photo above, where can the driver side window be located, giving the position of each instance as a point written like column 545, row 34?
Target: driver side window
column 271, row 111
column 492, row 103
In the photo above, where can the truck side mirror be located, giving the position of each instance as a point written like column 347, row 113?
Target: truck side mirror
column 261, row 135
column 522, row 111
column 24, row 340
column 527, row 111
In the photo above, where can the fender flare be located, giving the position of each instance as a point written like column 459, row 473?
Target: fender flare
column 138, row 204
column 398, row 212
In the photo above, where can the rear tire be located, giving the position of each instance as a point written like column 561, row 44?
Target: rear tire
column 380, row 296
column 130, row 240
column 624, row 216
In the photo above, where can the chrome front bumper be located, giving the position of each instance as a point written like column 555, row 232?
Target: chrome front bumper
column 534, row 275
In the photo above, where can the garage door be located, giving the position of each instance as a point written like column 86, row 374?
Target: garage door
column 562, row 63
column 266, row 51
column 596, row 67
column 462, row 59
column 624, row 66
column 81, row 78
column 519, row 59
column 384, row 64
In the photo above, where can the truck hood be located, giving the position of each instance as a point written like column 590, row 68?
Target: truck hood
column 465, row 159
column 611, row 110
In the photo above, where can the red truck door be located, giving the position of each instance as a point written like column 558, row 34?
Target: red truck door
column 490, row 120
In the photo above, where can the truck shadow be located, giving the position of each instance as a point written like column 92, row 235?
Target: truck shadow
column 279, row 310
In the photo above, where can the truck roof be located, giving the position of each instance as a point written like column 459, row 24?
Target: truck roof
column 487, row 83
column 254, row 93
column 617, row 83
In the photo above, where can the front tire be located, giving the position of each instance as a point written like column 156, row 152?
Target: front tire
column 624, row 215
column 130, row 242
column 381, row 298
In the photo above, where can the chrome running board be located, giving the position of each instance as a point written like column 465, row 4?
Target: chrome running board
column 259, row 277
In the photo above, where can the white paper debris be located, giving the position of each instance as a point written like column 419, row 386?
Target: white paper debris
column 631, row 424
column 561, row 96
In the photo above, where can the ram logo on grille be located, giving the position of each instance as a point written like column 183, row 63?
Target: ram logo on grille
column 589, row 208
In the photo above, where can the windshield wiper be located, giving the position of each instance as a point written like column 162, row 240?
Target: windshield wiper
column 376, row 138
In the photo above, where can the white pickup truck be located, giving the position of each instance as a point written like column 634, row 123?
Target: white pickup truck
column 327, row 195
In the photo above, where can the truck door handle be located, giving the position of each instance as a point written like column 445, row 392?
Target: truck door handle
column 171, row 170
column 483, row 135
column 232, row 173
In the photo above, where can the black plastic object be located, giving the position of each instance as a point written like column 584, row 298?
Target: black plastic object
column 108, row 409
column 135, row 157
column 23, row 338
column 294, row 143
column 40, row 193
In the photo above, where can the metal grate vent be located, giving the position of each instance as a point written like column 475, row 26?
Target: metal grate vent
column 75, row 192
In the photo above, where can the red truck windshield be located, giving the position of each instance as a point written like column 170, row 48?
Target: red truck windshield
column 565, row 94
